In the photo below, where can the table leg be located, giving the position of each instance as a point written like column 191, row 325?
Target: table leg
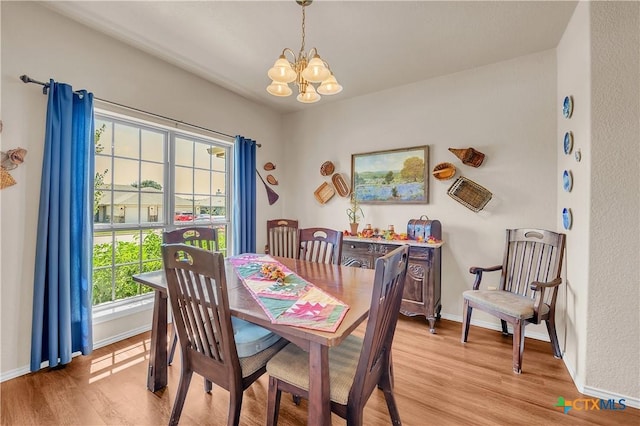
column 157, row 373
column 319, row 402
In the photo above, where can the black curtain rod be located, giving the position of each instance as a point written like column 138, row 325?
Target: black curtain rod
column 45, row 86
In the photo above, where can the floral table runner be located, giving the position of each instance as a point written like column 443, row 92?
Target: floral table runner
column 286, row 297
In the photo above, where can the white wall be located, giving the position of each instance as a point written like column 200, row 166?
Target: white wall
column 614, row 255
column 574, row 79
column 599, row 64
column 505, row 110
column 43, row 44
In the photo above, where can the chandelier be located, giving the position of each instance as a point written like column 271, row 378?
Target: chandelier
column 304, row 69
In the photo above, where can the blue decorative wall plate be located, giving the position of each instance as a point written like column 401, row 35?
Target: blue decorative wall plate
column 568, row 142
column 567, row 218
column 567, row 180
column 567, row 107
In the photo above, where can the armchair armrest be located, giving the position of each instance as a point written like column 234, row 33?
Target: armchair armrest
column 477, row 270
column 540, row 288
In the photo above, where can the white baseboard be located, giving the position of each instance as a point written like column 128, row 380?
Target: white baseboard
column 493, row 326
column 599, row 393
column 586, row 390
column 21, row 371
column 121, row 336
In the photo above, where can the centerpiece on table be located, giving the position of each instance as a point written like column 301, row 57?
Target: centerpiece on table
column 272, row 272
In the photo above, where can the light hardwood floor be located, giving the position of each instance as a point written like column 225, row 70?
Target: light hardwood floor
column 438, row 381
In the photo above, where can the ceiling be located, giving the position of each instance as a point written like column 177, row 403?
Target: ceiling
column 370, row 45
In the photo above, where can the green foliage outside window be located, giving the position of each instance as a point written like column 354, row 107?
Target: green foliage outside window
column 128, row 261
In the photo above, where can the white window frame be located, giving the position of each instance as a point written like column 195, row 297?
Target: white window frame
column 107, row 311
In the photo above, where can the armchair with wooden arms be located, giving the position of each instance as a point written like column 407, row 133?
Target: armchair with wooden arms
column 529, row 281
column 282, row 238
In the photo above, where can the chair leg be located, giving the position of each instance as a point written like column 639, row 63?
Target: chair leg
column 387, row 387
column 505, row 329
column 553, row 336
column 273, row 402
column 518, row 345
column 183, row 388
column 235, row 404
column 355, row 415
column 466, row 321
column 174, row 343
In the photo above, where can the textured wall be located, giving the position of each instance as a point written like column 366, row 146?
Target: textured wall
column 613, row 357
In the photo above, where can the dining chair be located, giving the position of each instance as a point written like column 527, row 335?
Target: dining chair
column 528, row 289
column 357, row 366
column 282, row 238
column 197, row 287
column 320, row 245
column 203, row 237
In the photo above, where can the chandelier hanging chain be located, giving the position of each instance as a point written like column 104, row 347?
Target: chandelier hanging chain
column 303, row 28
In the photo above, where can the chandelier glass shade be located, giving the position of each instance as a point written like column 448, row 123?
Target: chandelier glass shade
column 302, row 69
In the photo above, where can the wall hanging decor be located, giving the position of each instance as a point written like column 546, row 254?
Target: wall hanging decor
column 567, row 106
column 567, row 180
column 324, row 193
column 469, row 194
column 327, row 168
column 568, row 142
column 577, row 155
column 6, row 180
column 269, row 166
column 396, row 176
column 468, row 156
column 444, row 171
column 8, row 161
column 272, row 196
column 567, row 218
column 342, row 188
column 272, row 180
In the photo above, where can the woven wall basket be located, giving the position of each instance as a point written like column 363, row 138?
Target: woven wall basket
column 6, row 179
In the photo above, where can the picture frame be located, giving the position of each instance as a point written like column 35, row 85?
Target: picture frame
column 395, row 176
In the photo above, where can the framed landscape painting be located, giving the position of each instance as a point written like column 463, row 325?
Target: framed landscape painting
column 397, row 176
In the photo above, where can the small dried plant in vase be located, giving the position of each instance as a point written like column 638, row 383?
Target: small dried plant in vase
column 354, row 213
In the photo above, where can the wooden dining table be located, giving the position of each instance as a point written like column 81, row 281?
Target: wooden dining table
column 350, row 285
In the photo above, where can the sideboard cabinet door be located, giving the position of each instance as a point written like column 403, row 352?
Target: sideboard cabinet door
column 422, row 292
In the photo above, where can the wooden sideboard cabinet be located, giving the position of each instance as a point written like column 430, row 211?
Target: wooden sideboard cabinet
column 422, row 295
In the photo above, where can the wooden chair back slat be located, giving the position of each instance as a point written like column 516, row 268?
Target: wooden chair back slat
column 321, row 245
column 197, row 289
column 197, row 236
column 282, row 238
column 528, row 258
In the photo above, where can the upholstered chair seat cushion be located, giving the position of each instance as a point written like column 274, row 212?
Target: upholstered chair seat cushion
column 291, row 365
column 503, row 301
column 251, row 364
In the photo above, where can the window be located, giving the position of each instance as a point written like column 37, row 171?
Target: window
column 148, row 178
